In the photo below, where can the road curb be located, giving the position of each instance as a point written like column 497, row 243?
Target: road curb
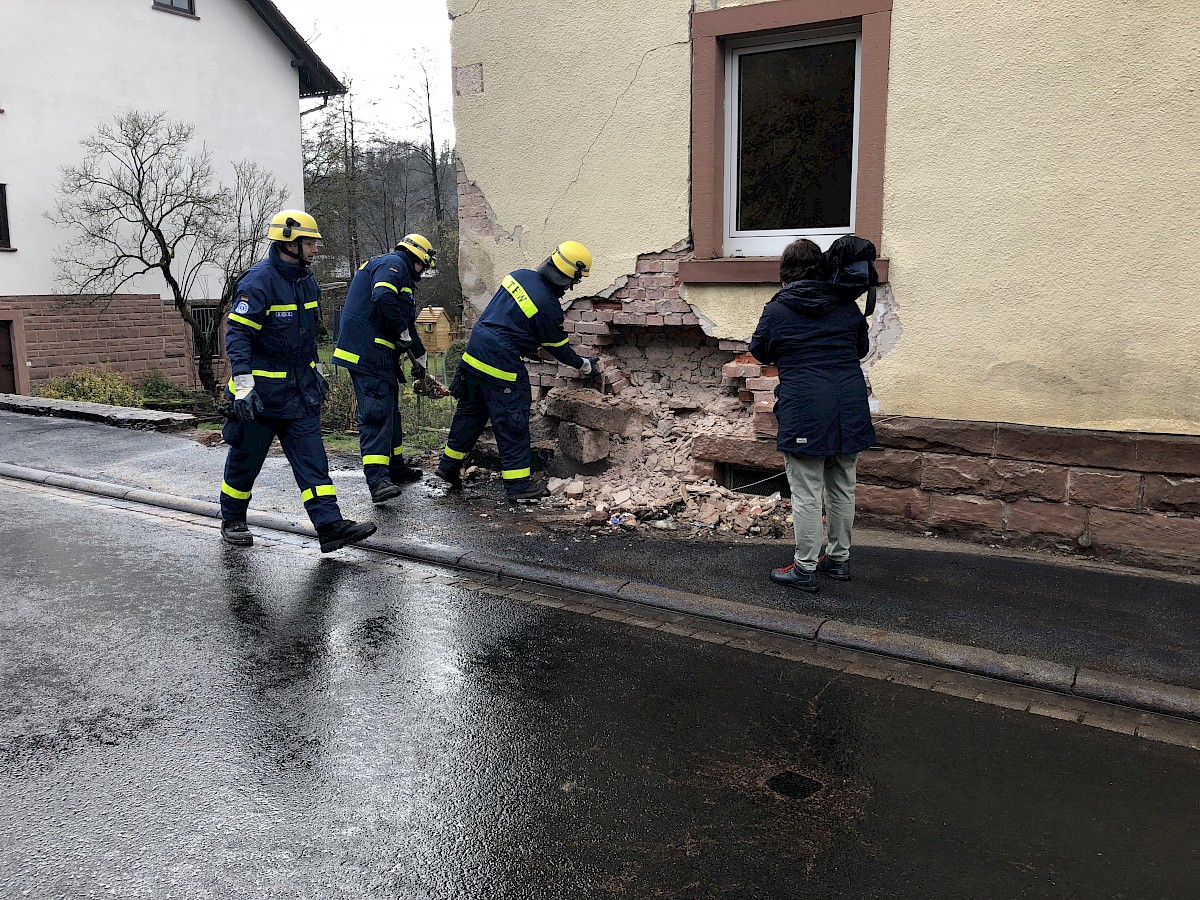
column 1153, row 696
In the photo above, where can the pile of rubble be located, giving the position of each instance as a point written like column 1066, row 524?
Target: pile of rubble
column 627, row 462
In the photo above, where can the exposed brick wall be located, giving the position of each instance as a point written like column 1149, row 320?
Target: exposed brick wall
column 645, row 333
column 133, row 334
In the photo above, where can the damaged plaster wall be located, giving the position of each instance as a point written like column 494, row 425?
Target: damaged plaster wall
column 585, row 138
column 1036, row 228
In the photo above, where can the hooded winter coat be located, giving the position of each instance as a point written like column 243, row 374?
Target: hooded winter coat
column 814, row 332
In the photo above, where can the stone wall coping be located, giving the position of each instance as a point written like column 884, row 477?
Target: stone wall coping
column 120, row 416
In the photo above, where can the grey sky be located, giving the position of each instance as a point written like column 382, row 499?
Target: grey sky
column 375, row 46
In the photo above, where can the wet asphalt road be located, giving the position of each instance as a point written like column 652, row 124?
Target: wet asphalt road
column 181, row 719
column 1119, row 621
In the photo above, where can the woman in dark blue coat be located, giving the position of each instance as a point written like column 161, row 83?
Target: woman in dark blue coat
column 814, row 332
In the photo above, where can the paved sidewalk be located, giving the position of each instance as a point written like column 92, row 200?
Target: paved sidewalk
column 1075, row 614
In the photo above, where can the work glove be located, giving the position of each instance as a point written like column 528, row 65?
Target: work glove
column 322, row 382
column 246, row 402
column 419, row 364
column 591, row 366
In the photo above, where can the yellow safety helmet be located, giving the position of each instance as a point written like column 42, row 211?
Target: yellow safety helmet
column 572, row 259
column 292, row 224
column 419, row 246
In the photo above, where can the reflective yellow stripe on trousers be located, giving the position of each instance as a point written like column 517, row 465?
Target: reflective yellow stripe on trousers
column 454, row 454
column 510, row 474
column 233, row 492
column 376, row 459
column 321, row 490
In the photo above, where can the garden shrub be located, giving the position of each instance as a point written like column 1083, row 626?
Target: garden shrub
column 93, row 384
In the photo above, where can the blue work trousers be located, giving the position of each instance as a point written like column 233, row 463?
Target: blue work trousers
column 380, row 431
column 481, row 398
column 305, row 450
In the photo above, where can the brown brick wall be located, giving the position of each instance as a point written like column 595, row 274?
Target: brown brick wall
column 133, row 334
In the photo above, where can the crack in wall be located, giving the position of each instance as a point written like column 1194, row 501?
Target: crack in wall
column 612, row 113
column 474, row 7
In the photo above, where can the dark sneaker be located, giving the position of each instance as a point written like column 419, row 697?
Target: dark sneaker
column 403, row 473
column 839, row 571
column 452, row 477
column 236, row 534
column 795, row 577
column 343, row 532
column 383, row 491
column 531, row 493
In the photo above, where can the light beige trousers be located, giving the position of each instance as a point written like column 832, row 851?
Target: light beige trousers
column 809, row 477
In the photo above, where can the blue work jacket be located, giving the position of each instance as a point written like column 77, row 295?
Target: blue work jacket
column 376, row 327
column 816, row 334
column 523, row 316
column 272, row 334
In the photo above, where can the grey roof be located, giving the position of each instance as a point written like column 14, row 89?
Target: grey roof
column 316, row 79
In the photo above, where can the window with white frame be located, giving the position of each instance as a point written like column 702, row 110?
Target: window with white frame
column 791, row 140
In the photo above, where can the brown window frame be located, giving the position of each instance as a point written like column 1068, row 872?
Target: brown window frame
column 711, row 32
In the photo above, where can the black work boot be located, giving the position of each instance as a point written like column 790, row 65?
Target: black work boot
column 236, row 534
column 338, row 534
column 452, row 477
column 403, row 473
column 794, row 577
column 383, row 491
column 530, row 493
column 839, row 571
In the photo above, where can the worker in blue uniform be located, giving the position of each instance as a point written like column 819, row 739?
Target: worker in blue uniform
column 525, row 315
column 276, row 389
column 376, row 331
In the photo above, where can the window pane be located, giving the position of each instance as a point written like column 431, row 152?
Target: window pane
column 796, row 137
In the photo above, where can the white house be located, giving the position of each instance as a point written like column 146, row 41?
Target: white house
column 232, row 68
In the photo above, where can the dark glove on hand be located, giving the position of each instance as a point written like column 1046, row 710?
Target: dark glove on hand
column 591, row 365
column 323, row 384
column 247, row 407
column 418, row 372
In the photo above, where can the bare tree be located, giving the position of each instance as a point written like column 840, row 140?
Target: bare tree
column 142, row 202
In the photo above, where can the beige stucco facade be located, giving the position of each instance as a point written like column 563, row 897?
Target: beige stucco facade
column 1042, row 170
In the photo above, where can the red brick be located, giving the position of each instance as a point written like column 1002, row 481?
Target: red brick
column 1116, row 490
column 1146, row 532
column 903, row 503
column 1168, row 494
column 735, row 346
column 1056, row 519
column 993, row 477
column 965, row 510
column 762, row 384
column 765, row 423
column 903, row 466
